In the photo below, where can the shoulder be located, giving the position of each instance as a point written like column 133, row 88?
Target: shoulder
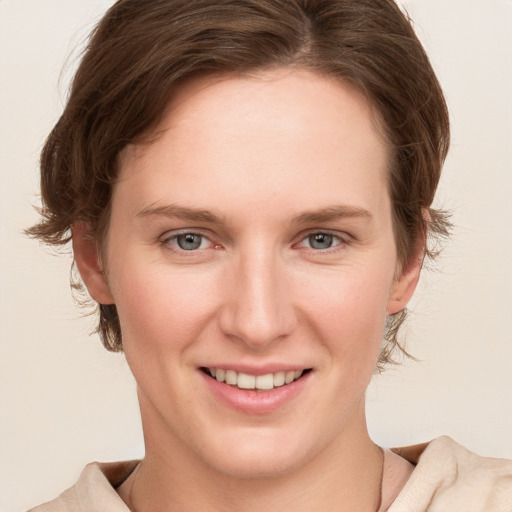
column 94, row 490
column 450, row 477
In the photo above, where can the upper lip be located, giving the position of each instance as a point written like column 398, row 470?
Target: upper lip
column 258, row 369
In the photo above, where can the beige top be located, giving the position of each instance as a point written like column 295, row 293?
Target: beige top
column 447, row 478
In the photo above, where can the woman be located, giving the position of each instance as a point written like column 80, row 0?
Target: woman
column 247, row 187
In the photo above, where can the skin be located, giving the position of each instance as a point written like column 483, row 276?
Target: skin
column 275, row 159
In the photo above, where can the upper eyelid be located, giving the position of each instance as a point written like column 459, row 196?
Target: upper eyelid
column 343, row 236
column 178, row 232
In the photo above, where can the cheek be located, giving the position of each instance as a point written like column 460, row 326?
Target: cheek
column 348, row 312
column 160, row 310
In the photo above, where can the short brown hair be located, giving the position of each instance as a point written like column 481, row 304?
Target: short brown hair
column 142, row 49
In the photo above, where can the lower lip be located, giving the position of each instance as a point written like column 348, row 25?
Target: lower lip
column 252, row 401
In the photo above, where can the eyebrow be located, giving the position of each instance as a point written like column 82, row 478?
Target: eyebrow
column 200, row 215
column 182, row 212
column 333, row 213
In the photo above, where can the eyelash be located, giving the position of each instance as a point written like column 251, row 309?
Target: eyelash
column 173, row 241
column 338, row 242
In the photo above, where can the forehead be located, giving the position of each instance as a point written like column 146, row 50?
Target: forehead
column 258, row 137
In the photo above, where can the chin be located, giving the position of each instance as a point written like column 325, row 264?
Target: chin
column 256, row 455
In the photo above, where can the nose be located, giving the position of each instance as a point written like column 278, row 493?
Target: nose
column 258, row 310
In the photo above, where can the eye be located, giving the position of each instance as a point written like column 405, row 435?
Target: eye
column 321, row 241
column 189, row 241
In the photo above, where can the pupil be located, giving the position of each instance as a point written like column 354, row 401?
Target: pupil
column 321, row 241
column 189, row 242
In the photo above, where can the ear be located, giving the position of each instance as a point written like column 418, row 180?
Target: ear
column 89, row 265
column 405, row 284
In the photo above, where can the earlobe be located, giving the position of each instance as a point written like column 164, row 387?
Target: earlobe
column 88, row 262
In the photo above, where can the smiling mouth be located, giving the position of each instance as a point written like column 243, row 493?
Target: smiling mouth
column 249, row 382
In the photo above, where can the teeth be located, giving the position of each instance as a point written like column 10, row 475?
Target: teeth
column 265, row 381
column 262, row 382
column 289, row 377
column 231, row 378
column 279, row 379
column 246, row 381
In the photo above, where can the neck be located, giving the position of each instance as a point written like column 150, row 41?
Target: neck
column 345, row 476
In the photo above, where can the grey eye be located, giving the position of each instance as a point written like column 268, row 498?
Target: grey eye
column 321, row 241
column 189, row 241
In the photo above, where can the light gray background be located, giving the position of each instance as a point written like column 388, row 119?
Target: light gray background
column 64, row 401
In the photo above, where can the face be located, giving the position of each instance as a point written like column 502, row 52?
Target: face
column 251, row 258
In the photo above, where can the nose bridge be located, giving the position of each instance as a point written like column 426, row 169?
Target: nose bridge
column 259, row 311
